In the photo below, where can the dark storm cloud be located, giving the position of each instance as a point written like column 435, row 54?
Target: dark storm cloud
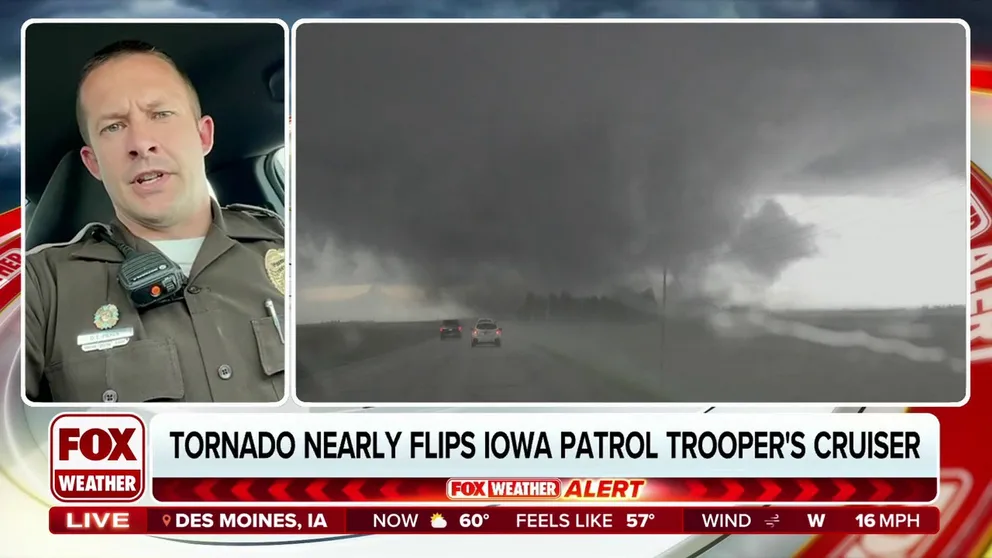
column 14, row 12
column 768, row 253
column 580, row 156
column 560, row 9
column 10, row 179
column 941, row 140
column 977, row 13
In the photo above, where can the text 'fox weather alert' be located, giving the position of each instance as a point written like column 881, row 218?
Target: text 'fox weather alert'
column 97, row 457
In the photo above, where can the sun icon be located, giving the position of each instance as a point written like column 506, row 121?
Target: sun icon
column 438, row 521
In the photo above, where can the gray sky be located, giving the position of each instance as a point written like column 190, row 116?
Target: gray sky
column 906, row 242
column 14, row 12
column 797, row 165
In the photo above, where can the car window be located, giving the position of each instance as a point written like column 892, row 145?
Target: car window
column 450, row 322
column 279, row 164
column 487, row 325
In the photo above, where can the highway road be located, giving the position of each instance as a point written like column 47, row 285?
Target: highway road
column 625, row 363
column 451, row 371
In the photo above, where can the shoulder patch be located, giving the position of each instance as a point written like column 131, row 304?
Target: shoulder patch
column 83, row 233
column 254, row 211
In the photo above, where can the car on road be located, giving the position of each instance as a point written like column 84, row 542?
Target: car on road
column 451, row 328
column 487, row 332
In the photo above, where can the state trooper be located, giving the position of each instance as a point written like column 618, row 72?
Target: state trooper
column 177, row 299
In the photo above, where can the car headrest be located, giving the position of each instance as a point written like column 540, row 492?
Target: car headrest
column 72, row 199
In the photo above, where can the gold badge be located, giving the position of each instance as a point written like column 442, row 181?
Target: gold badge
column 106, row 316
column 275, row 268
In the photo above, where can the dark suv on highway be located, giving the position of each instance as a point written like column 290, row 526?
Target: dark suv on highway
column 451, row 328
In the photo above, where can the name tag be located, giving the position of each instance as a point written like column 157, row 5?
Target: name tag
column 103, row 340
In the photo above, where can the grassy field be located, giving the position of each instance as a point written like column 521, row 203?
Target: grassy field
column 814, row 356
column 338, row 343
column 334, row 344
column 939, row 327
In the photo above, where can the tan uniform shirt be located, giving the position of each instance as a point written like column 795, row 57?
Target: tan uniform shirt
column 217, row 344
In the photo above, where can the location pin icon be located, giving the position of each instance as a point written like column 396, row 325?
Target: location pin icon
column 166, row 519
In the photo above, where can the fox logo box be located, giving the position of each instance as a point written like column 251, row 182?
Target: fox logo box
column 97, row 457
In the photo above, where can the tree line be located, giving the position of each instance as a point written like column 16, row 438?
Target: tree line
column 565, row 306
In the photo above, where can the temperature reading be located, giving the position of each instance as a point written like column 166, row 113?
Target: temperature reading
column 638, row 520
column 473, row 519
column 865, row 520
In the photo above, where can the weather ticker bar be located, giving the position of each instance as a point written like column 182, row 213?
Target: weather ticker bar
column 492, row 520
column 686, row 491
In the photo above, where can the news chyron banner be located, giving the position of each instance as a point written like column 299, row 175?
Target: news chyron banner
column 483, row 459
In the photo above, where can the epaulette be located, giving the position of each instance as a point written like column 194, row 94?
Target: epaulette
column 82, row 234
column 254, row 211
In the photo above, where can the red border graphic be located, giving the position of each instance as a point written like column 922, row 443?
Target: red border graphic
column 980, row 220
column 10, row 222
column 966, row 525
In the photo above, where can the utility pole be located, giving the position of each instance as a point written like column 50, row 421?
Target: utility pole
column 664, row 311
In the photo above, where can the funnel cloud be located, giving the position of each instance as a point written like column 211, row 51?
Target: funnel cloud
column 470, row 164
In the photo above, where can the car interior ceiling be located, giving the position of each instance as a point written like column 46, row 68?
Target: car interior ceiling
column 237, row 90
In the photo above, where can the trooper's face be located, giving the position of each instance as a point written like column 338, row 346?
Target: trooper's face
column 146, row 143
